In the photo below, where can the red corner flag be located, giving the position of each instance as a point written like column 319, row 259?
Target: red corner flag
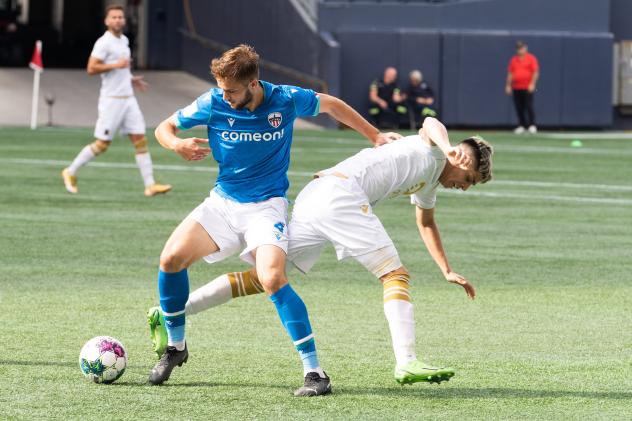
column 36, row 60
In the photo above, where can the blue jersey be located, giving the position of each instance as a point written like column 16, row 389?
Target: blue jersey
column 251, row 148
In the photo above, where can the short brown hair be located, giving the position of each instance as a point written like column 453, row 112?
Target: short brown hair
column 113, row 7
column 482, row 156
column 240, row 63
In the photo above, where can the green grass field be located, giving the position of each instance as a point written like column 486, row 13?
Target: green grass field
column 548, row 244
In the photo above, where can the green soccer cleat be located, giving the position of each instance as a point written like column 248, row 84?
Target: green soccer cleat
column 157, row 330
column 416, row 371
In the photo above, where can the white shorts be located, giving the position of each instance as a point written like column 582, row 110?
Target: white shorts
column 118, row 114
column 336, row 210
column 242, row 227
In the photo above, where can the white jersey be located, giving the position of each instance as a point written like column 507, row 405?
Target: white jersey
column 407, row 166
column 110, row 49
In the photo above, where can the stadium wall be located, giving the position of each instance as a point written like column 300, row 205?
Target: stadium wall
column 467, row 65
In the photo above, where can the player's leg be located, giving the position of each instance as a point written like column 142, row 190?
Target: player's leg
column 294, row 317
column 143, row 160
column 134, row 124
column 108, row 122
column 188, row 242
column 385, row 264
column 69, row 174
column 219, row 291
column 266, row 236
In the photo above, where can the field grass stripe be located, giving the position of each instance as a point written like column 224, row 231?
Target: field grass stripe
column 532, row 197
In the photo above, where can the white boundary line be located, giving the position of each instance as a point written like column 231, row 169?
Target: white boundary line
column 555, row 198
column 212, row 169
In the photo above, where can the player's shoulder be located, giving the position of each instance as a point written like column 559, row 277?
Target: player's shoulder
column 103, row 39
column 206, row 99
column 282, row 94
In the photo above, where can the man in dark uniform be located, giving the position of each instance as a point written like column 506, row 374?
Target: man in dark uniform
column 386, row 104
column 420, row 99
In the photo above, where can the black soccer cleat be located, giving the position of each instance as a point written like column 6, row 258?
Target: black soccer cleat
column 314, row 385
column 169, row 360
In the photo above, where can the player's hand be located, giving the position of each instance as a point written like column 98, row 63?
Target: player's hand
column 457, row 157
column 531, row 88
column 192, row 148
column 122, row 63
column 455, row 278
column 139, row 83
column 508, row 90
column 384, row 138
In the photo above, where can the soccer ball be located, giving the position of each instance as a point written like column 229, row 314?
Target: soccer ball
column 103, row 359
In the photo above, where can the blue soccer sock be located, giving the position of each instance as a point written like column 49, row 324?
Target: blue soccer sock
column 293, row 315
column 174, row 292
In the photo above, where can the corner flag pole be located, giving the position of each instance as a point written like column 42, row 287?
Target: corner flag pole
column 38, row 67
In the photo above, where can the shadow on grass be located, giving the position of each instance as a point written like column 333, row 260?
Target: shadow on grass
column 418, row 391
column 445, row 392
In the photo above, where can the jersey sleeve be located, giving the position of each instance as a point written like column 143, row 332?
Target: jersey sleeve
column 99, row 50
column 424, row 199
column 198, row 113
column 306, row 101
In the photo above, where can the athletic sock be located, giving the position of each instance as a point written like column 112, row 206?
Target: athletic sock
column 221, row 289
column 293, row 315
column 82, row 158
column 174, row 290
column 143, row 160
column 399, row 312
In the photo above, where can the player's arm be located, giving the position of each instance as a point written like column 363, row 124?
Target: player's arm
column 96, row 66
column 342, row 112
column 139, row 83
column 433, row 132
column 430, row 235
column 190, row 148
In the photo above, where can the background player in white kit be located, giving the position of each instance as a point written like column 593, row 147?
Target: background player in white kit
column 337, row 206
column 118, row 108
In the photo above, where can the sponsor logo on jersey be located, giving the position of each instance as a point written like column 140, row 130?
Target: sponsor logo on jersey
column 231, row 121
column 275, row 119
column 251, row 136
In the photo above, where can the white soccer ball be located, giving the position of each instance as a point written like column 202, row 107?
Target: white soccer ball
column 103, row 359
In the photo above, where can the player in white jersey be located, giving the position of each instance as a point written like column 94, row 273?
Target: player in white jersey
column 118, row 108
column 337, row 207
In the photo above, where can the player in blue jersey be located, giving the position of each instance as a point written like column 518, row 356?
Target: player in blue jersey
column 249, row 125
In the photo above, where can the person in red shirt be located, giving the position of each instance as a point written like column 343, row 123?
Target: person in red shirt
column 522, row 76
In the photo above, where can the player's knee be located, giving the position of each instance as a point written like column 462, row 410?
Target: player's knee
column 172, row 261
column 401, row 271
column 272, row 281
column 99, row 146
column 140, row 145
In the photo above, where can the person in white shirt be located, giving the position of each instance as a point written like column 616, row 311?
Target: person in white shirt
column 118, row 108
column 337, row 207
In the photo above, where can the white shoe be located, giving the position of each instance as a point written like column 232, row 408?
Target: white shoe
column 519, row 130
column 533, row 129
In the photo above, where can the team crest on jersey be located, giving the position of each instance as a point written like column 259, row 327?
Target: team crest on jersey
column 275, row 119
